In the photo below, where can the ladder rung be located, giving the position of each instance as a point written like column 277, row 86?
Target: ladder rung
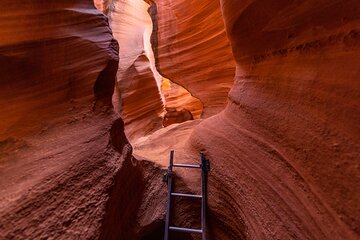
column 187, row 165
column 186, row 195
column 191, row 230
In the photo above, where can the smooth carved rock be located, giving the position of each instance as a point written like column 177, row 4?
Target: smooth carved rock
column 143, row 95
column 192, row 50
column 49, row 69
column 141, row 108
column 58, row 62
column 179, row 100
column 285, row 150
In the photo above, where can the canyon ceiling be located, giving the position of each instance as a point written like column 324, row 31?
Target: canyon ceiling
column 95, row 94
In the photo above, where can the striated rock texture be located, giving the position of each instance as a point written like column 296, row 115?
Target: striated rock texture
column 191, row 49
column 150, row 37
column 61, row 147
column 140, row 101
column 146, row 100
column 180, row 105
column 285, row 151
column 53, row 68
column 141, row 105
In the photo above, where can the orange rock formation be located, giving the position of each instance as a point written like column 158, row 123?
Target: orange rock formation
column 146, row 101
column 192, row 50
column 58, row 62
column 285, row 150
column 282, row 136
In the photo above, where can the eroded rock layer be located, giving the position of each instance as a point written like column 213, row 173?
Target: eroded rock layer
column 284, row 153
column 191, row 49
column 140, row 101
column 147, row 101
column 141, row 104
column 52, row 67
column 286, row 149
column 58, row 160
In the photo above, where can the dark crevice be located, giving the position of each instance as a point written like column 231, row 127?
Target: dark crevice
column 125, row 199
column 154, row 35
column 117, row 135
column 105, row 82
column 156, row 231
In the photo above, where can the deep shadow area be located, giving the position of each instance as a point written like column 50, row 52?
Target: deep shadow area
column 154, row 35
column 117, row 136
column 105, row 83
column 125, row 199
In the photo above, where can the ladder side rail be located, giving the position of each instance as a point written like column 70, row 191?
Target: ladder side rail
column 168, row 200
column 203, row 193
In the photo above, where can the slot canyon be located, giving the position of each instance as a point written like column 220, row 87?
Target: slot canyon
column 95, row 93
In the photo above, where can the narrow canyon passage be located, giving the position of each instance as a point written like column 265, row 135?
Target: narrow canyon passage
column 146, row 100
column 277, row 77
column 95, row 93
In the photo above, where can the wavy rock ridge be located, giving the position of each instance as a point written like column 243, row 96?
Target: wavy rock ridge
column 284, row 151
column 287, row 143
column 192, row 50
column 147, row 101
column 57, row 164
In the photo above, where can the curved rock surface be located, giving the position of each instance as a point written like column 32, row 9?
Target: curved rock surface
column 285, row 151
column 58, row 162
column 191, row 49
column 50, row 80
column 147, row 101
column 141, row 105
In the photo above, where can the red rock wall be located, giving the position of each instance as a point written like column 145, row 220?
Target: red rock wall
column 193, row 51
column 286, row 149
column 146, row 100
column 52, row 67
column 58, row 160
column 141, row 105
column 139, row 101
column 284, row 152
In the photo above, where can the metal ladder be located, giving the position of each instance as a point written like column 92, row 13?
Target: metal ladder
column 205, row 168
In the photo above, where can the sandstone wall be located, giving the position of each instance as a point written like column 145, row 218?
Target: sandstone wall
column 191, row 49
column 286, row 149
column 58, row 163
column 145, row 99
column 139, row 100
column 54, row 57
column 284, row 152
